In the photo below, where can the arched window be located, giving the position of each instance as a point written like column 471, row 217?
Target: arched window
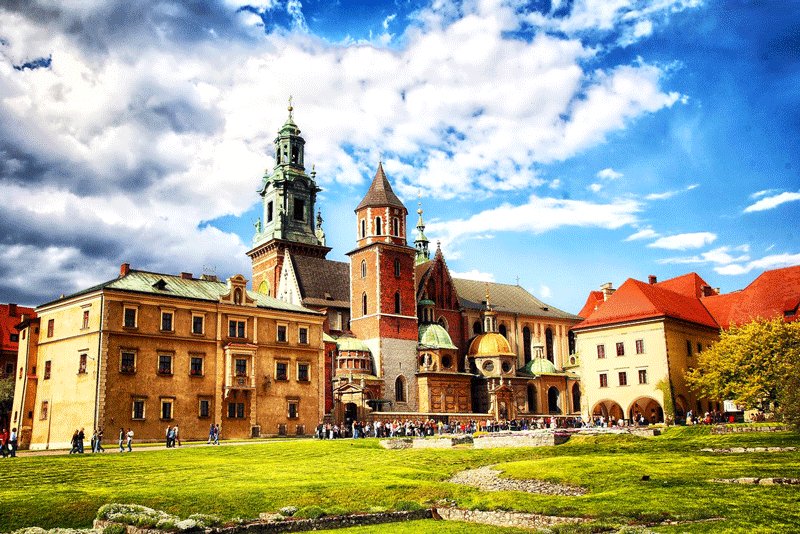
column 553, row 400
column 378, row 229
column 503, row 331
column 442, row 322
column 397, row 302
column 576, row 397
column 400, row 389
column 397, row 267
column 476, row 328
column 363, row 228
column 526, row 342
column 363, row 304
column 363, row 268
column 531, row 398
column 548, row 343
column 571, row 340
column 395, row 227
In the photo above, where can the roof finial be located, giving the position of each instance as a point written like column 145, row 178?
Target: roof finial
column 488, row 307
column 290, row 106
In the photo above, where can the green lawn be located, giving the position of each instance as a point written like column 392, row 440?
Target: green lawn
column 241, row 481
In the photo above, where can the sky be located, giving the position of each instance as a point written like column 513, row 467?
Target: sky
column 555, row 144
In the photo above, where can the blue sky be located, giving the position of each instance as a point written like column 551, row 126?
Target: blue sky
column 561, row 144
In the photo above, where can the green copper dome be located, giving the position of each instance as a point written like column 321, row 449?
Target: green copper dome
column 539, row 366
column 435, row 336
column 351, row 344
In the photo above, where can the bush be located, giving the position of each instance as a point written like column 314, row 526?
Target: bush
column 407, row 506
column 206, row 520
column 309, row 512
column 115, row 529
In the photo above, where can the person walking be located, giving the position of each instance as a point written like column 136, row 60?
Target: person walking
column 175, row 437
column 3, row 440
column 81, row 437
column 121, row 439
column 210, row 434
column 129, row 437
column 100, row 440
column 12, row 443
column 74, row 443
column 168, row 434
column 216, row 434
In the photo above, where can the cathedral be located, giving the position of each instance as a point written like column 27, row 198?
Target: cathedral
column 402, row 336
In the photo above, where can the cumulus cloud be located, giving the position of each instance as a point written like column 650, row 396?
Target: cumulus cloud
column 684, row 241
column 718, row 256
column 474, row 274
column 159, row 116
column 644, row 233
column 770, row 202
column 609, row 174
column 774, row 261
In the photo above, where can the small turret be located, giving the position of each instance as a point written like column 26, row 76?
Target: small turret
column 421, row 242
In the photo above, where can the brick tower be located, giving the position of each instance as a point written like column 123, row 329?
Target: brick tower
column 287, row 224
column 383, row 291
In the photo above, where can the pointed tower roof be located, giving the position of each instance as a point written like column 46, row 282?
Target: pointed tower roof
column 421, row 242
column 380, row 193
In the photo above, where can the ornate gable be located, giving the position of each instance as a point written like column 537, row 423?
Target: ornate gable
column 237, row 292
column 288, row 288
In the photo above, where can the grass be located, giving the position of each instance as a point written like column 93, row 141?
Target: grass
column 241, row 481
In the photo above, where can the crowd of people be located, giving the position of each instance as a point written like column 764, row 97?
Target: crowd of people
column 8, row 443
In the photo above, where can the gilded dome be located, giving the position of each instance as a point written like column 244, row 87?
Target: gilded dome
column 435, row 336
column 539, row 366
column 351, row 344
column 490, row 344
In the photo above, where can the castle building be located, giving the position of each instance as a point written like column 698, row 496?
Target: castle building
column 10, row 316
column 637, row 342
column 149, row 350
column 399, row 329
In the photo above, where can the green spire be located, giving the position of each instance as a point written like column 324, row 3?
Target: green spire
column 421, row 242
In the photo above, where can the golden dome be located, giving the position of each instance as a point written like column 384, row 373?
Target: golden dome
column 490, row 344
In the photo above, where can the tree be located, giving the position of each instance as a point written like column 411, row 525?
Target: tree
column 754, row 364
column 6, row 394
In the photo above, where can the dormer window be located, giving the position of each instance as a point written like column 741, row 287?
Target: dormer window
column 161, row 285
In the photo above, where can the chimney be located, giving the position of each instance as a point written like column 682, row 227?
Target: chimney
column 652, row 279
column 708, row 291
column 608, row 290
column 186, row 276
column 12, row 309
column 124, row 269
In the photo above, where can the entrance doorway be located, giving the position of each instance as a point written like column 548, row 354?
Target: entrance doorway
column 350, row 413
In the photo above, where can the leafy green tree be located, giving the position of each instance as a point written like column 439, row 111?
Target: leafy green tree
column 6, row 394
column 755, row 364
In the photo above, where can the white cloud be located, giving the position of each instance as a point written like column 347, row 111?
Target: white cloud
column 644, row 233
column 555, row 184
column 539, row 215
column 768, row 203
column 719, row 256
column 684, row 241
column 774, row 261
column 595, row 187
column 474, row 274
column 763, row 192
column 609, row 174
column 669, row 194
column 545, row 292
column 388, row 20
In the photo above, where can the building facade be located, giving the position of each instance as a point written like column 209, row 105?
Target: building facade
column 10, row 316
column 150, row 350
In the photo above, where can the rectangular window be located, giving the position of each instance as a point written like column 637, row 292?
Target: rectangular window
column 129, row 318
column 303, row 335
column 336, row 321
column 236, row 328
column 269, row 211
column 128, row 362
column 166, row 321
column 205, row 408
column 603, row 380
column 198, row 324
column 137, row 409
column 620, row 349
column 43, row 410
column 299, row 209
column 282, row 333
column 303, row 372
column 601, row 351
column 51, row 324
column 14, row 338
column 293, row 411
column 85, row 323
column 82, row 364
column 623, row 378
column 699, row 348
column 196, row 365
column 10, row 368
column 241, row 367
column 236, row 410
column 47, row 367
column 281, row 371
column 688, row 348
column 166, row 409
column 640, row 346
column 643, row 376
column 165, row 364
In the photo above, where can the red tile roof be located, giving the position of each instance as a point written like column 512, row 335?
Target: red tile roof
column 689, row 284
column 593, row 302
column 636, row 300
column 774, row 293
column 8, row 321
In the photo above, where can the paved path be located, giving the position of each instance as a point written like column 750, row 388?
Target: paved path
column 113, row 448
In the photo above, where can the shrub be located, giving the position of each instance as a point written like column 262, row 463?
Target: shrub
column 407, row 506
column 309, row 512
column 116, row 528
column 206, row 520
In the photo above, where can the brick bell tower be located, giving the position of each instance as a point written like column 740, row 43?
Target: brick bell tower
column 383, row 292
column 287, row 224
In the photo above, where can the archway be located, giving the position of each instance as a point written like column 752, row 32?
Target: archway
column 548, row 343
column 503, row 331
column 553, row 400
column 650, row 408
column 608, row 409
column 350, row 413
column 576, row 397
column 531, row 398
column 400, row 389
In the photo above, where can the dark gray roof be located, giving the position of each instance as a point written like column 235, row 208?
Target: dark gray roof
column 380, row 193
column 186, row 288
column 505, row 298
column 323, row 282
